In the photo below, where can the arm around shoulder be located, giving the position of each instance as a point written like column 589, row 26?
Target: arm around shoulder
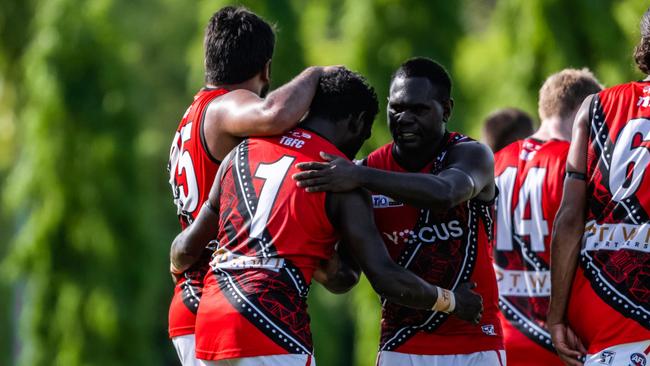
column 243, row 113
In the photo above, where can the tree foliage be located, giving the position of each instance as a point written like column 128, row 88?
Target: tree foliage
column 91, row 92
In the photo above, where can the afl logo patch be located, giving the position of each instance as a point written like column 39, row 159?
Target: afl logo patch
column 637, row 359
column 488, row 330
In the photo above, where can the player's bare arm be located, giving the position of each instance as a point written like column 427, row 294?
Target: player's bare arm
column 469, row 174
column 351, row 214
column 242, row 113
column 188, row 245
column 566, row 239
column 340, row 273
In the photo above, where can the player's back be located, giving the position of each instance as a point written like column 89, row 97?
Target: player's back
column 191, row 167
column 191, row 174
column 530, row 175
column 610, row 299
column 272, row 236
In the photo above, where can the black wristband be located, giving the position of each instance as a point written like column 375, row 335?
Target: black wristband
column 210, row 207
column 576, row 175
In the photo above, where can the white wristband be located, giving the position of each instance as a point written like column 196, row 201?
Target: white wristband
column 446, row 301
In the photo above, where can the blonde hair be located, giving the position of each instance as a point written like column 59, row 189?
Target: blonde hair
column 563, row 92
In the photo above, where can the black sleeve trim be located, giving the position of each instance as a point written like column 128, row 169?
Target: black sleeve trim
column 594, row 99
column 204, row 143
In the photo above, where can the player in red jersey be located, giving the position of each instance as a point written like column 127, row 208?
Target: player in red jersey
column 530, row 174
column 272, row 236
column 230, row 107
column 505, row 126
column 433, row 202
column 600, row 250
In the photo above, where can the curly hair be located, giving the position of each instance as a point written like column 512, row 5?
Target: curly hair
column 642, row 50
column 342, row 93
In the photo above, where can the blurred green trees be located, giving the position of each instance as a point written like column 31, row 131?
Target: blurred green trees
column 91, row 91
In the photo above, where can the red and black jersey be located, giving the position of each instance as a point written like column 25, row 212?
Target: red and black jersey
column 191, row 173
column 530, row 177
column 272, row 236
column 445, row 249
column 610, row 298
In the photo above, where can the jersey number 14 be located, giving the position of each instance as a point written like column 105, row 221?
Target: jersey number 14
column 530, row 194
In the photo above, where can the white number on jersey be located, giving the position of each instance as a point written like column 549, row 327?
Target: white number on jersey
column 273, row 175
column 530, row 194
column 186, row 198
column 505, row 182
column 623, row 181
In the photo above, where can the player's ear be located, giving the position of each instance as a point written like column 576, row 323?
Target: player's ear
column 447, row 107
column 266, row 73
column 356, row 123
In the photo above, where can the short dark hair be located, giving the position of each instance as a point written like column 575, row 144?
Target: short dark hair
column 238, row 44
column 505, row 126
column 341, row 93
column 642, row 50
column 427, row 68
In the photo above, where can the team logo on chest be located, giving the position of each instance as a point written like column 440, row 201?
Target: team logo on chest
column 429, row 234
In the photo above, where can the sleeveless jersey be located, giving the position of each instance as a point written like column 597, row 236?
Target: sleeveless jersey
column 191, row 173
column 610, row 298
column 272, row 236
column 444, row 249
column 530, row 177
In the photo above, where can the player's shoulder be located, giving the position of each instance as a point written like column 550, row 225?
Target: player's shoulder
column 554, row 146
column 469, row 149
column 617, row 90
column 223, row 101
column 508, row 156
column 305, row 145
column 511, row 149
column 380, row 156
column 551, row 153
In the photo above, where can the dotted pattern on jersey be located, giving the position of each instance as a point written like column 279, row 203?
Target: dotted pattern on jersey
column 526, row 314
column 274, row 301
column 448, row 265
column 620, row 278
column 268, row 300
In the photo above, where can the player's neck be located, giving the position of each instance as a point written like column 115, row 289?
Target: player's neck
column 554, row 128
column 251, row 85
column 414, row 160
column 321, row 127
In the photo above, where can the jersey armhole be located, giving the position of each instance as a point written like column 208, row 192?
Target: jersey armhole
column 591, row 107
column 204, row 142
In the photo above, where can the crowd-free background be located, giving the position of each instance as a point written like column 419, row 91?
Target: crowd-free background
column 91, row 92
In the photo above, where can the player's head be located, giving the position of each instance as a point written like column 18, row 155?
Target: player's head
column 563, row 93
column 505, row 126
column 238, row 46
column 642, row 50
column 419, row 103
column 345, row 99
